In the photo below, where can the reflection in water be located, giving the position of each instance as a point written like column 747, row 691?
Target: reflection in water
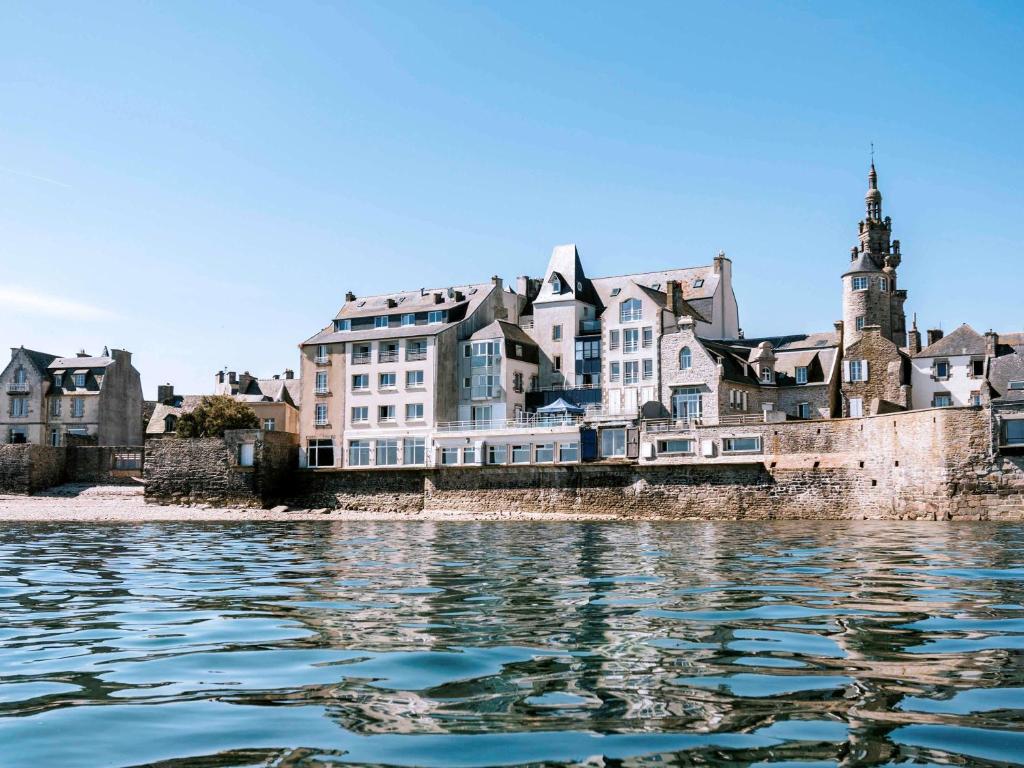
column 504, row 644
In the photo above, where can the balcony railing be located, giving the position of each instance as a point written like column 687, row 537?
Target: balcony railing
column 530, row 421
column 387, row 356
column 690, row 422
column 322, row 360
column 590, row 326
column 485, row 393
column 415, row 354
column 322, row 391
column 563, row 387
column 526, row 323
column 361, row 358
column 17, row 387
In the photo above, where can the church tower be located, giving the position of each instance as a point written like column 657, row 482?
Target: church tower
column 870, row 296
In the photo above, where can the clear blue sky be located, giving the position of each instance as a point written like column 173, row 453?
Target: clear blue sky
column 201, row 182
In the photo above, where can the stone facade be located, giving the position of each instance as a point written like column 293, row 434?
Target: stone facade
column 883, row 375
column 28, row 468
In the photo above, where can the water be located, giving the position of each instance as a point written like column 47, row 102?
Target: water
column 464, row 644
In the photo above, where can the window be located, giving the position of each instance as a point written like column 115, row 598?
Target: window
column 766, row 375
column 380, row 322
column 416, row 350
column 415, row 450
column 648, row 338
column 860, row 283
column 1013, row 432
column 385, row 413
column 517, row 382
column 321, row 383
column 558, row 362
column 568, row 452
column 413, row 379
column 613, row 339
column 58, row 380
column 469, row 454
column 803, row 410
column 497, row 454
column 269, row 424
column 486, row 354
column 19, row 406
column 941, row 369
column 55, row 406
column 975, row 398
column 856, row 407
column 613, row 442
column 801, row 374
column 79, row 380
column 685, row 359
column 648, row 369
column 20, row 377
column 414, row 411
column 859, row 322
column 388, row 380
column 409, row 319
column 387, row 453
column 675, row 446
column 467, row 351
column 883, row 284
column 630, row 340
column 616, row 291
column 544, row 453
column 77, row 407
column 613, row 371
column 361, row 381
column 343, row 325
column 320, row 414
column 359, row 453
column 741, row 444
column 1016, row 385
column 941, row 400
column 686, row 404
column 481, row 414
column 631, row 372
column 360, row 414
column 485, row 386
column 556, row 333
column 519, row 351
column 360, row 354
column 698, row 283
column 449, row 456
column 857, row 370
column 170, row 424
column 630, row 311
column 320, row 453
column 520, row 454
column 246, row 454
column 435, row 316
column 387, row 353
column 55, row 437
column 556, row 284
column 467, row 382
column 977, row 368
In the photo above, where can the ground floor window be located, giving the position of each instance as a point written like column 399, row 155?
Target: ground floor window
column 497, row 454
column 246, row 454
column 675, row 446
column 544, row 453
column 686, row 403
column 741, row 444
column 415, row 450
column 18, row 436
column 449, row 456
column 469, row 455
column 569, row 452
column 320, row 453
column 856, row 407
column 975, row 398
column 55, row 438
column 803, row 410
column 941, row 400
column 613, row 442
column 387, row 453
column 520, row 454
column 359, row 453
column 1013, row 432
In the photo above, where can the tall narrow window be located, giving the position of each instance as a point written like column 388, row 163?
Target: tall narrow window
column 630, row 311
column 685, row 359
column 801, row 375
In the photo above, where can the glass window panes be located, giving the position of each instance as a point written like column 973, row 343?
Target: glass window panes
column 1013, row 432
column 675, row 446
column 741, row 444
column 449, row 456
column 380, row 322
column 359, row 453
column 497, row 454
column 414, row 450
column 414, row 411
column 320, row 453
column 387, row 453
column 613, row 442
column 544, row 453
column 414, row 378
column 630, row 311
column 520, row 454
column 360, row 413
column 568, row 452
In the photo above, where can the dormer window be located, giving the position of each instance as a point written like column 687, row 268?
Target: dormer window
column 343, row 325
column 409, row 319
column 766, row 375
column 801, row 375
column 435, row 316
column 58, row 380
column 616, row 291
column 556, row 285
column 170, row 423
column 79, row 379
column 380, row 321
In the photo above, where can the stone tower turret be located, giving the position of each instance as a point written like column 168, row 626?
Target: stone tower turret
column 870, row 296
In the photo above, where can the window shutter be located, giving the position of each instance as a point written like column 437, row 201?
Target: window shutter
column 866, row 372
column 846, row 370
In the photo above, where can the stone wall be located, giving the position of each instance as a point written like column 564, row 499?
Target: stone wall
column 27, row 469
column 208, row 470
column 97, row 465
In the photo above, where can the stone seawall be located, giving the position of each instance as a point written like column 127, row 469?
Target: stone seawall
column 30, row 468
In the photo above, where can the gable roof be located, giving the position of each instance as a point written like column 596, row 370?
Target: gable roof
column 565, row 264
column 39, row 360
column 503, row 329
column 157, row 426
column 76, row 363
column 963, row 341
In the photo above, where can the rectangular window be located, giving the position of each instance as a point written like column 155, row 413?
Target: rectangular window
column 467, row 382
column 648, row 369
column 77, row 407
column 801, row 375
column 413, row 379
column 675, row 446
column 568, row 452
column 467, row 351
column 269, row 424
column 416, row 350
column 387, row 353
column 414, row 411
column 469, row 454
column 1013, row 432
column 79, row 380
column 558, row 362
column 409, row 319
column 343, row 325
column 613, row 442
column 977, row 368
column 860, row 323
column 544, row 453
column 321, row 383
column 497, row 454
column 55, row 437
column 613, row 371
column 556, row 333
column 361, row 381
column 387, row 381
column 803, row 410
column 246, row 454
column 631, row 372
column 359, row 453
column 55, row 406
column 435, row 316
column 19, row 406
column 449, row 456
column 387, row 453
column 320, row 453
column 860, row 283
column 385, row 413
column 360, row 414
column 320, row 414
column 613, row 339
column 883, row 284
column 975, row 398
column 857, row 372
column 360, row 354
column 941, row 369
column 648, row 339
column 1016, row 385
column 517, row 382
column 698, row 283
column 856, row 407
column 630, row 311
column 520, row 454
column 58, row 380
column 942, row 400
column 415, row 450
column 380, row 322
column 741, row 444
column 630, row 340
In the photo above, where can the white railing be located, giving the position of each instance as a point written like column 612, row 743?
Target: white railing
column 322, row 360
column 531, row 421
column 360, row 358
column 689, row 423
column 563, row 387
column 387, row 356
column 17, row 387
column 526, row 323
column 739, row 419
column 412, row 355
column 600, row 412
column 669, row 425
column 322, row 391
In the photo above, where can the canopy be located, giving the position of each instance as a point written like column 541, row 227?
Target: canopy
column 561, row 405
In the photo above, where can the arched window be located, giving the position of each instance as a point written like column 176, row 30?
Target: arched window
column 630, row 311
column 685, row 359
column 170, row 424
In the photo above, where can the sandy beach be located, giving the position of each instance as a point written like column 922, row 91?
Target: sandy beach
column 126, row 504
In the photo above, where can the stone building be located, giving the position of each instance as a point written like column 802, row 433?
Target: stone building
column 44, row 398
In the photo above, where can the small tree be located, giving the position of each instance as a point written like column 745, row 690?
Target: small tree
column 214, row 414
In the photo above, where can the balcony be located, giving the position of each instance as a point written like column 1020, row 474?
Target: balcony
column 486, row 393
column 528, row 422
column 590, row 327
column 361, row 358
column 387, row 356
column 322, row 391
column 17, row 387
column 415, row 354
column 322, row 360
column 526, row 323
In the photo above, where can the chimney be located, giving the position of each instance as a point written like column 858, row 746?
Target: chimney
column 991, row 343
column 914, row 337
column 934, row 334
column 718, row 262
column 671, row 292
column 289, row 373
column 165, row 393
column 460, row 296
column 220, row 377
column 392, row 303
column 82, row 353
column 439, row 298
column 349, row 297
column 497, row 282
column 276, row 376
column 232, row 377
column 243, row 382
column 523, row 285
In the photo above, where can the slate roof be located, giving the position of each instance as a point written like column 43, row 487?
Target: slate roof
column 566, row 265
column 686, row 277
column 1003, row 370
column 863, row 263
column 506, row 330
column 188, row 403
column 815, row 351
column 963, row 341
column 76, row 363
column 272, row 391
column 41, row 360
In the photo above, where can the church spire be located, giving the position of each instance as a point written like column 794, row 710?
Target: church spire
column 873, row 198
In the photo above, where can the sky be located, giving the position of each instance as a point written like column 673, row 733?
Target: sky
column 200, row 183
